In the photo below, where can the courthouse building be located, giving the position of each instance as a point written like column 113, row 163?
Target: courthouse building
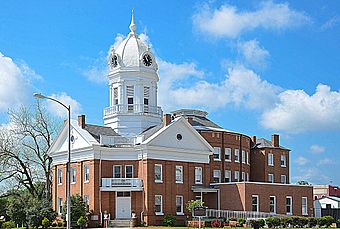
column 146, row 164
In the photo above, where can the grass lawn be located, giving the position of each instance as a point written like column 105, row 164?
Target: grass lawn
column 163, row 227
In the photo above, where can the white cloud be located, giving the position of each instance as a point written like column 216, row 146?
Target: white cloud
column 301, row 160
column 118, row 40
column 332, row 22
column 312, row 175
column 240, row 87
column 56, row 109
column 98, row 70
column 15, row 88
column 253, row 53
column 316, row 149
column 326, row 161
column 228, row 21
column 296, row 111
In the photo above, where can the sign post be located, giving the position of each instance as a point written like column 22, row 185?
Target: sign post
column 199, row 212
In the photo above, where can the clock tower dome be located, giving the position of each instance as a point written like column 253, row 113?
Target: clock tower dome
column 133, row 87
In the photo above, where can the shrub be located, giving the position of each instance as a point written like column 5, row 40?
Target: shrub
column 312, row 222
column 190, row 205
column 241, row 221
column 261, row 222
column 8, row 225
column 328, row 220
column 60, row 223
column 81, row 221
column 303, row 221
column 286, row 221
column 169, row 220
column 45, row 222
column 269, row 222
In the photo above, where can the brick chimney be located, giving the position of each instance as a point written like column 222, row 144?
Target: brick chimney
column 276, row 140
column 253, row 138
column 166, row 119
column 81, row 121
column 189, row 119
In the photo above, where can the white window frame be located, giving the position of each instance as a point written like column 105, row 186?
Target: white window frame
column 125, row 168
column 274, row 204
column 284, row 161
column 237, row 177
column 237, row 155
column 227, row 152
column 86, row 200
column 217, row 151
column 290, row 206
column 179, row 177
column 243, row 157
column 181, row 205
column 257, row 202
column 161, row 175
column 304, row 207
column 227, row 174
column 86, row 173
column 270, row 159
column 161, row 202
column 217, row 174
column 198, row 173
column 283, row 179
column 247, row 176
column 120, row 169
column 272, row 176
column 60, row 176
column 73, row 175
column 60, row 205
column 243, row 176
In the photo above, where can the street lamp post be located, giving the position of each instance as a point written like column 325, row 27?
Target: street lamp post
column 68, row 177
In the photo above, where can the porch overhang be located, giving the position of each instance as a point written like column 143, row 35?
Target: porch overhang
column 203, row 189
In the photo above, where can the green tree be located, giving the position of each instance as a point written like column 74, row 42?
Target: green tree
column 78, row 209
column 302, row 182
column 190, row 205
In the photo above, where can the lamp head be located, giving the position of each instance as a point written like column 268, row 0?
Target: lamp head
column 39, row 96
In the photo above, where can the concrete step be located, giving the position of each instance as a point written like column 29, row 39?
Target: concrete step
column 120, row 223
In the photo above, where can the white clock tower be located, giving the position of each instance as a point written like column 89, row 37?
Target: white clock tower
column 133, row 87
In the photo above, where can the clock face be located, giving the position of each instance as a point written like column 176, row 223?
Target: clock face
column 114, row 61
column 147, row 60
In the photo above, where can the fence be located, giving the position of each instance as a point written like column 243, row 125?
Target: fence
column 212, row 213
column 334, row 212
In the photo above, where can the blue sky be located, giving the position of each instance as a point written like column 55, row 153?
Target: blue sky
column 257, row 67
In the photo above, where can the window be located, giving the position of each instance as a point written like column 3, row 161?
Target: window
column 304, row 206
column 217, row 176
column 73, row 175
column 255, row 203
column 271, row 159
column 86, row 200
column 129, row 95
column 289, row 205
column 227, row 177
column 243, row 176
column 158, row 173
column 283, row 160
column 179, row 205
column 115, row 95
column 227, row 154
column 128, row 171
column 198, row 175
column 243, row 157
column 60, row 176
column 237, row 155
column 272, row 204
column 86, row 173
column 283, row 179
column 146, row 95
column 217, row 153
column 237, row 175
column 247, row 176
column 247, row 157
column 271, row 178
column 117, row 169
column 179, row 174
column 60, row 205
column 158, row 204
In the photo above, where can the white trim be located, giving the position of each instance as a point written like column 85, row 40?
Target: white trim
column 161, row 180
column 182, row 208
column 272, row 176
column 217, row 151
column 270, row 159
column 121, row 171
column 261, row 183
column 161, row 198
column 131, row 171
column 285, row 179
column 88, row 179
column 201, row 175
column 302, row 208
column 285, row 161
column 228, row 149
column 258, row 202
column 237, row 152
column 274, row 204
column 291, row 205
column 181, row 169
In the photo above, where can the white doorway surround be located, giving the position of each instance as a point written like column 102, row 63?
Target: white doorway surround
column 123, row 205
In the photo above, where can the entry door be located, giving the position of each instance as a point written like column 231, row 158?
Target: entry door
column 123, row 205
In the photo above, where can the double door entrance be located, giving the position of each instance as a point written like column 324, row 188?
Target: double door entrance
column 123, row 205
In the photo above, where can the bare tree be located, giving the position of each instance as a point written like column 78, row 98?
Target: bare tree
column 24, row 144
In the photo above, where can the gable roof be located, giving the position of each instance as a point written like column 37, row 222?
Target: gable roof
column 335, row 198
column 264, row 143
column 96, row 131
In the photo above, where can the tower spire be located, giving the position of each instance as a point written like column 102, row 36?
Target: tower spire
column 132, row 24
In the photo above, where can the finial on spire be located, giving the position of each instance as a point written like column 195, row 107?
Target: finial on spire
column 132, row 24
